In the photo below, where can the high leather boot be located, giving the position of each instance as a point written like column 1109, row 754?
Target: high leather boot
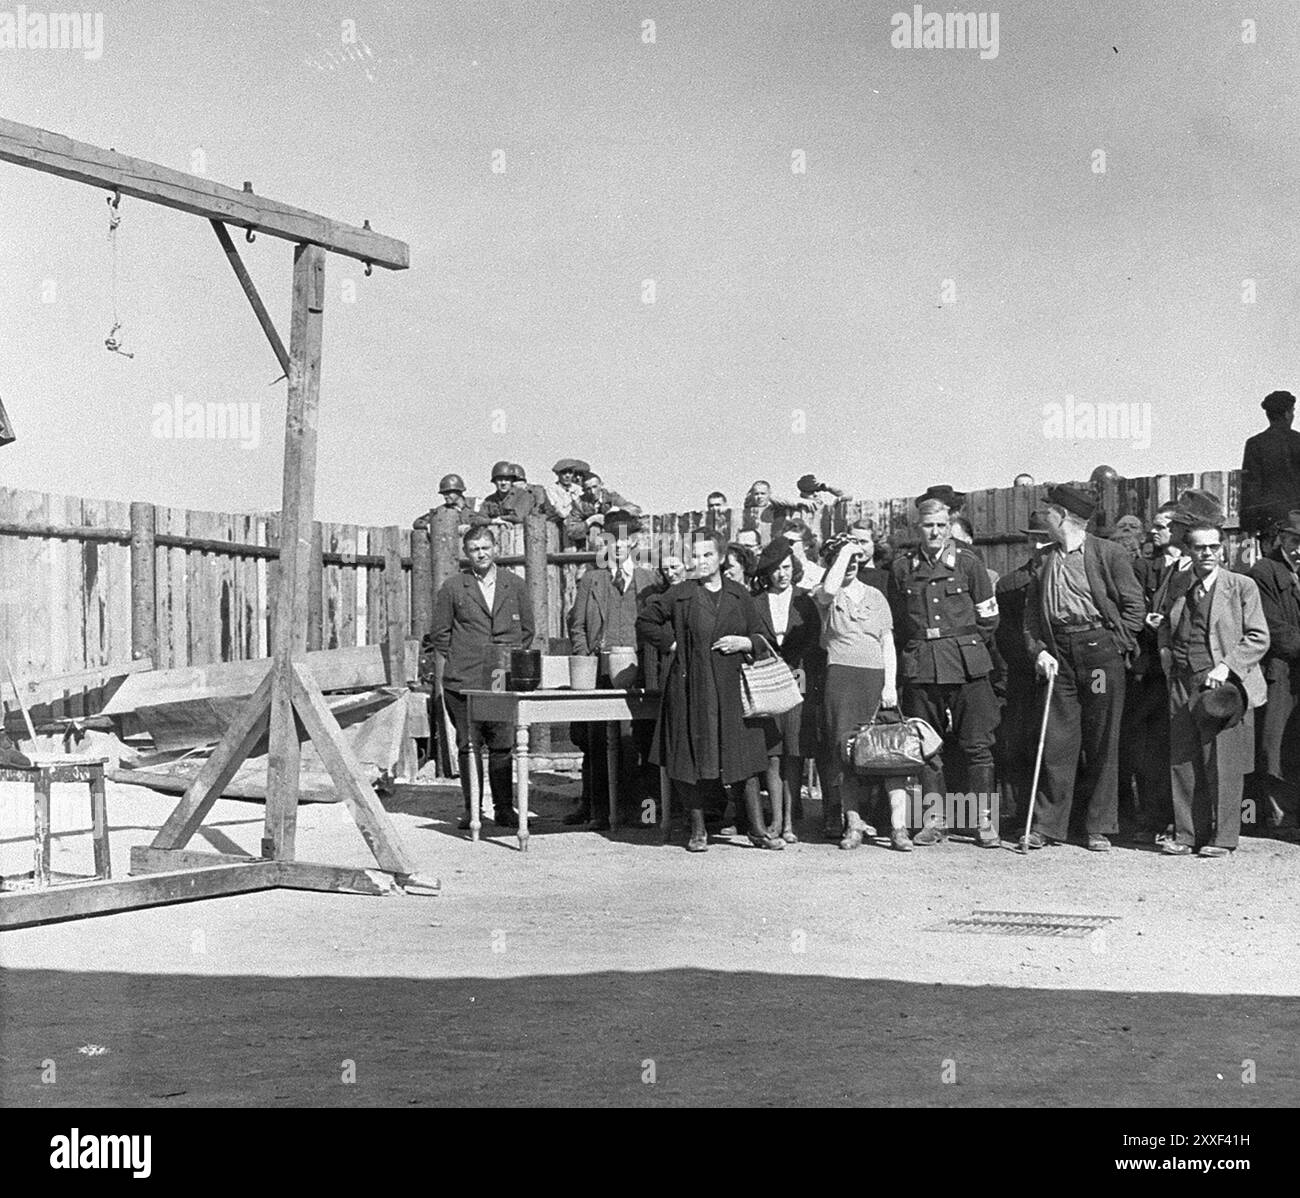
column 500, row 778
column 981, row 782
column 936, row 827
column 581, row 814
column 466, row 763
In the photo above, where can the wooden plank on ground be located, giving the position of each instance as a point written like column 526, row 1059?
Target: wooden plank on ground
column 336, row 879
column 145, row 859
column 26, row 908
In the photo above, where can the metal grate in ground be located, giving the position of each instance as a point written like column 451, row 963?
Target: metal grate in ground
column 1027, row 923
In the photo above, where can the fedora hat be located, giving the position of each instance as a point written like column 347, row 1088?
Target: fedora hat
column 619, row 519
column 1219, row 708
column 1073, row 499
column 1289, row 523
column 1199, row 506
column 945, row 495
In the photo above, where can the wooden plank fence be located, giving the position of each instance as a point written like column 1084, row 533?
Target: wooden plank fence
column 204, row 581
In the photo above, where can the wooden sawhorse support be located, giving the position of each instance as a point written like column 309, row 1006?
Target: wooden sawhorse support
column 42, row 774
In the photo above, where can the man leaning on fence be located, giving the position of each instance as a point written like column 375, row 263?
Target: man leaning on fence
column 474, row 613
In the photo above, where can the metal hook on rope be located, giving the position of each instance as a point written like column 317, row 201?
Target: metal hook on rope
column 370, row 269
column 114, row 216
column 249, row 235
column 113, row 344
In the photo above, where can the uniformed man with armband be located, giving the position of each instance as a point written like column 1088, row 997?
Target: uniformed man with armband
column 947, row 614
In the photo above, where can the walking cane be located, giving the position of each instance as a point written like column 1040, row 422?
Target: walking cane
column 1038, row 765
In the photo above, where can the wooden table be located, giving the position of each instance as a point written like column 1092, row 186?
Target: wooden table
column 522, row 709
column 41, row 774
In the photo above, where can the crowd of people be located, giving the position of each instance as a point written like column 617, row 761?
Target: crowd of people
column 1165, row 685
column 578, row 499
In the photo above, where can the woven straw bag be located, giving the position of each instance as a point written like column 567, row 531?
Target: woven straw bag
column 767, row 685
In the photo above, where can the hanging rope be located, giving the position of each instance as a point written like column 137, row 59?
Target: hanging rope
column 111, row 342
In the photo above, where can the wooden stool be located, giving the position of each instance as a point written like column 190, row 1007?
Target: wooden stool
column 42, row 774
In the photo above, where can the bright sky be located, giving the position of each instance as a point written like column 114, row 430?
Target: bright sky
column 521, row 330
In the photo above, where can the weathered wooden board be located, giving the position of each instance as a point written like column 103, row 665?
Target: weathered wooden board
column 334, row 669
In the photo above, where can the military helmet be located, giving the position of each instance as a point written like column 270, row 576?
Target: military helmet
column 502, row 470
column 451, row 482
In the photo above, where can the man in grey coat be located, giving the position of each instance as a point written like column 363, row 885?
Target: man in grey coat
column 1212, row 640
column 609, row 598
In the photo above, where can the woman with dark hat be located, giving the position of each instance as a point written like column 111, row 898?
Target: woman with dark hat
column 702, row 738
column 792, row 626
column 861, row 672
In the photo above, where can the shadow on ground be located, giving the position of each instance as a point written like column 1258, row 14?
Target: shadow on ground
column 589, row 1039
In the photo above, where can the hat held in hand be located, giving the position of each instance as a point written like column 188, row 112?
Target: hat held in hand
column 1219, row 708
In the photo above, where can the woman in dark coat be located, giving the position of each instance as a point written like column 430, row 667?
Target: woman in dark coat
column 792, row 626
column 702, row 736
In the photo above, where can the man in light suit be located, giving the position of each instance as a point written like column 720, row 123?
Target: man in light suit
column 608, row 600
column 1212, row 639
column 473, row 612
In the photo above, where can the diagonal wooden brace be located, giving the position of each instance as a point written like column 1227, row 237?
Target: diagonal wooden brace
column 248, row 727
column 348, row 774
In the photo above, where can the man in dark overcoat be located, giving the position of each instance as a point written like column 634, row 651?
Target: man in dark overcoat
column 475, row 611
column 1277, row 731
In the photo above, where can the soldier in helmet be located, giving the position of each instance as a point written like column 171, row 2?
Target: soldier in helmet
column 506, row 505
column 537, row 492
column 452, row 489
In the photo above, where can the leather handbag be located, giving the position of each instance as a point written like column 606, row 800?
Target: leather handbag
column 891, row 745
column 767, row 685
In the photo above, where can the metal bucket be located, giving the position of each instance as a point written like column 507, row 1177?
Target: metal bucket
column 620, row 666
column 582, row 672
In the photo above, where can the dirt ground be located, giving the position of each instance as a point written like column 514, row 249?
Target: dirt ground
column 606, row 968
